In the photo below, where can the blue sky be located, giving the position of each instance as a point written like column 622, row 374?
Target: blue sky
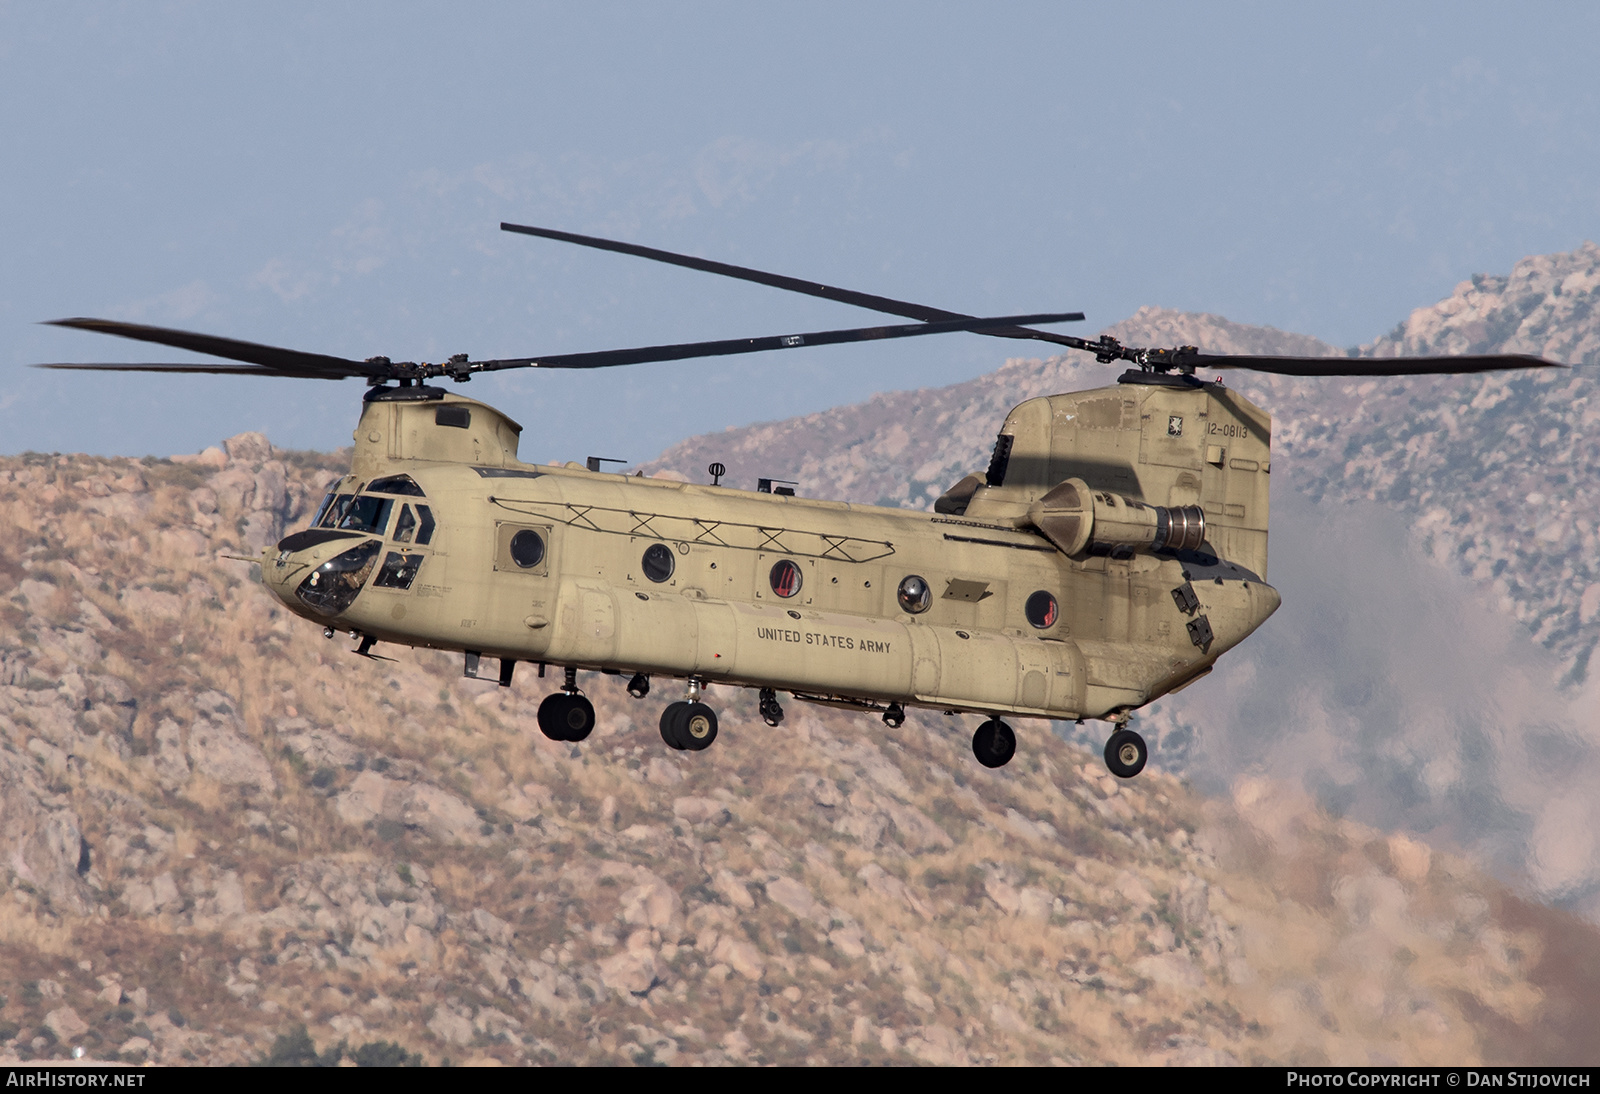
column 331, row 177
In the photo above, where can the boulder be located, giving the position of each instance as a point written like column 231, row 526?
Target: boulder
column 220, row 752
column 630, row 970
column 249, row 447
column 653, row 903
column 741, row 957
column 43, row 844
column 440, row 814
column 794, row 896
column 701, row 811
column 65, row 1024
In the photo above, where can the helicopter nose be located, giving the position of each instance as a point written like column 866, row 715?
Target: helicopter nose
column 319, row 572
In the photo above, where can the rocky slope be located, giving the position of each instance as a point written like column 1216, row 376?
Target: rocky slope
column 217, row 825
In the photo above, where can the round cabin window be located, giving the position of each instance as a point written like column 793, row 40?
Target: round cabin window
column 786, row 579
column 1041, row 610
column 527, row 548
column 658, row 562
column 914, row 595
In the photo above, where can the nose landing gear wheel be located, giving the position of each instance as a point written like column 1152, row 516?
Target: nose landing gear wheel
column 564, row 717
column 1126, row 754
column 994, row 744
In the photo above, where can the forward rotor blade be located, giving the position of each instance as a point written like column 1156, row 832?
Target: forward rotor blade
column 1371, row 366
column 885, row 304
column 217, row 369
column 639, row 355
column 287, row 362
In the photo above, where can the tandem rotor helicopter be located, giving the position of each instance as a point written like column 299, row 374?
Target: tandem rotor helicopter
column 1113, row 549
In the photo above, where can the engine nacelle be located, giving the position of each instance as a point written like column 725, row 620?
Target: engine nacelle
column 1077, row 518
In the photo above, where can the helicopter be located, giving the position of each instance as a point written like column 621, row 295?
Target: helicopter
column 1113, row 549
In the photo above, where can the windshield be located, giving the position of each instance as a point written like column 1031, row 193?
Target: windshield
column 366, row 514
column 333, row 508
column 322, row 510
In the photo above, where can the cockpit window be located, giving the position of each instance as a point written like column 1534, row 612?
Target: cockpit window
column 322, row 510
column 398, row 571
column 424, row 525
column 405, row 525
column 332, row 587
column 367, row 514
column 333, row 510
column 397, row 484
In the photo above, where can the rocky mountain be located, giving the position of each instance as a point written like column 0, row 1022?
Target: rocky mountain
column 219, row 827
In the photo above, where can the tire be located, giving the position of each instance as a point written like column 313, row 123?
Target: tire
column 697, row 726
column 670, row 719
column 564, row 717
column 994, row 744
column 551, row 716
column 1126, row 754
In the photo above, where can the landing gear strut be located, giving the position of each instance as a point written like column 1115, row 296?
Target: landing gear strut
column 567, row 715
column 994, row 744
column 690, row 724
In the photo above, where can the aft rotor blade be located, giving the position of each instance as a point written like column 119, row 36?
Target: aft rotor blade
column 1371, row 366
column 639, row 355
column 279, row 361
column 885, row 304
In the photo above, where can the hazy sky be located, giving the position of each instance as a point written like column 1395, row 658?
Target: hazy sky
column 331, row 177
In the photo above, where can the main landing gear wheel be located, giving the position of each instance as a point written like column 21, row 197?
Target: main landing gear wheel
column 994, row 744
column 1126, row 754
column 691, row 726
column 566, row 717
column 669, row 724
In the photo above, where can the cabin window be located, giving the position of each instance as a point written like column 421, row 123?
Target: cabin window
column 397, row 484
column 915, row 595
column 367, row 514
column 658, row 562
column 786, row 579
column 398, row 571
column 1041, row 610
column 527, row 548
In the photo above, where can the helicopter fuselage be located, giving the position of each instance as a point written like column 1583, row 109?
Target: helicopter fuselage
column 440, row 538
